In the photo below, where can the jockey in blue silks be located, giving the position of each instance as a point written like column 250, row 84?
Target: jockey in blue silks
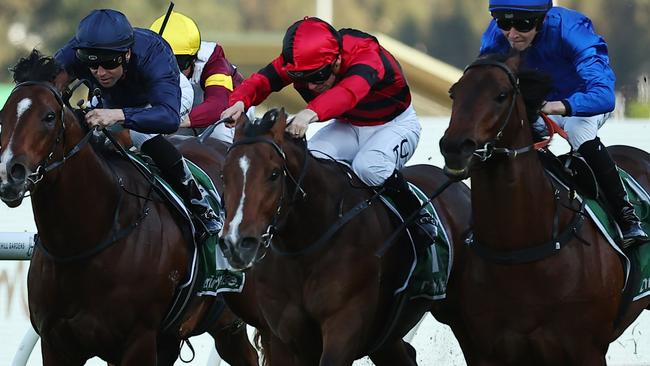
column 562, row 43
column 137, row 74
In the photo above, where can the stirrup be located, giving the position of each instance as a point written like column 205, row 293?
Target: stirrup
column 635, row 236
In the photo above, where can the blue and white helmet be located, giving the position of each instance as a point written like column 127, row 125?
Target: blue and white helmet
column 105, row 29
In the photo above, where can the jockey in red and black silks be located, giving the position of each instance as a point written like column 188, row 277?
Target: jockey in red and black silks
column 370, row 87
column 348, row 77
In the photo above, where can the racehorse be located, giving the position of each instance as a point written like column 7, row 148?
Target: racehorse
column 111, row 252
column 313, row 233
column 538, row 288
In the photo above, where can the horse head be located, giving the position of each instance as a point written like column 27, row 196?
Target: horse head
column 254, row 187
column 488, row 98
column 33, row 126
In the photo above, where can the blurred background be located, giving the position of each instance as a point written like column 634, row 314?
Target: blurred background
column 433, row 39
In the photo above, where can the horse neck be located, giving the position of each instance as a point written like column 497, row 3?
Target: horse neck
column 513, row 195
column 325, row 186
column 73, row 205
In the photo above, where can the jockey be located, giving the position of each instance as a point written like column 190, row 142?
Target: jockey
column 137, row 75
column 347, row 76
column 562, row 43
column 212, row 76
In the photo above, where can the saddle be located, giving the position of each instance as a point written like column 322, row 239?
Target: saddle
column 572, row 170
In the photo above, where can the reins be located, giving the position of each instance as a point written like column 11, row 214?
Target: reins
column 489, row 148
column 47, row 166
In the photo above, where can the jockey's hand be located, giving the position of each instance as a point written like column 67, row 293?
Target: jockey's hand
column 185, row 123
column 297, row 127
column 104, row 117
column 554, row 107
column 233, row 112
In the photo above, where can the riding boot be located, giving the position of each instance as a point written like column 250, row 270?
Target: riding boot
column 611, row 187
column 173, row 168
column 422, row 227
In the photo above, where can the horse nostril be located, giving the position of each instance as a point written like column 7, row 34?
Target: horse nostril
column 249, row 243
column 450, row 146
column 17, row 172
column 468, row 147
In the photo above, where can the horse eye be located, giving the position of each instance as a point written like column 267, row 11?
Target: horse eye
column 49, row 117
column 275, row 174
column 501, row 97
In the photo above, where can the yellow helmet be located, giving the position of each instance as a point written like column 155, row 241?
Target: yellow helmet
column 180, row 32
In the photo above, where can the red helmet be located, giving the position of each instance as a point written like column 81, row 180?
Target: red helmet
column 310, row 44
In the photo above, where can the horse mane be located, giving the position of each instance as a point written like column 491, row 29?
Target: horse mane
column 263, row 125
column 534, row 85
column 36, row 67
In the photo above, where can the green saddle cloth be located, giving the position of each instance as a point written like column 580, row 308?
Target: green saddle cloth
column 639, row 256
column 430, row 275
column 215, row 274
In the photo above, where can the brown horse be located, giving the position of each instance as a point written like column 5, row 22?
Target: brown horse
column 538, row 288
column 312, row 234
column 111, row 253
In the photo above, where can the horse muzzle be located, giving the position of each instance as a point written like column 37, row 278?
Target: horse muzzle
column 242, row 252
column 458, row 157
column 13, row 183
column 12, row 194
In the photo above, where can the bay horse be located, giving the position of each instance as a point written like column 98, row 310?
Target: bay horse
column 111, row 253
column 537, row 287
column 301, row 223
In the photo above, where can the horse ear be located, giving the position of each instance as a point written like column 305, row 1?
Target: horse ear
column 279, row 126
column 240, row 124
column 514, row 60
column 61, row 81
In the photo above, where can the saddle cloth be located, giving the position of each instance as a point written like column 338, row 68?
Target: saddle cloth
column 636, row 260
column 215, row 274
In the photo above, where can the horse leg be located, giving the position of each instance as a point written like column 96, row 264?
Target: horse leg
column 231, row 340
column 142, row 350
column 274, row 352
column 341, row 336
column 168, row 350
column 52, row 357
column 396, row 353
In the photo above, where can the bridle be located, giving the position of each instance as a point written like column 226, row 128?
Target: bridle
column 489, row 149
column 47, row 165
column 272, row 227
column 343, row 218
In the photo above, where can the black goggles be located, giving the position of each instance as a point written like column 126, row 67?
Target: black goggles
column 185, row 61
column 520, row 25
column 318, row 76
column 94, row 60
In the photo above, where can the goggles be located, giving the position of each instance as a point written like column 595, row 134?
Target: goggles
column 93, row 59
column 519, row 24
column 185, row 61
column 318, row 76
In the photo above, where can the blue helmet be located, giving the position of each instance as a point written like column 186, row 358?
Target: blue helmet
column 535, row 6
column 105, row 29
